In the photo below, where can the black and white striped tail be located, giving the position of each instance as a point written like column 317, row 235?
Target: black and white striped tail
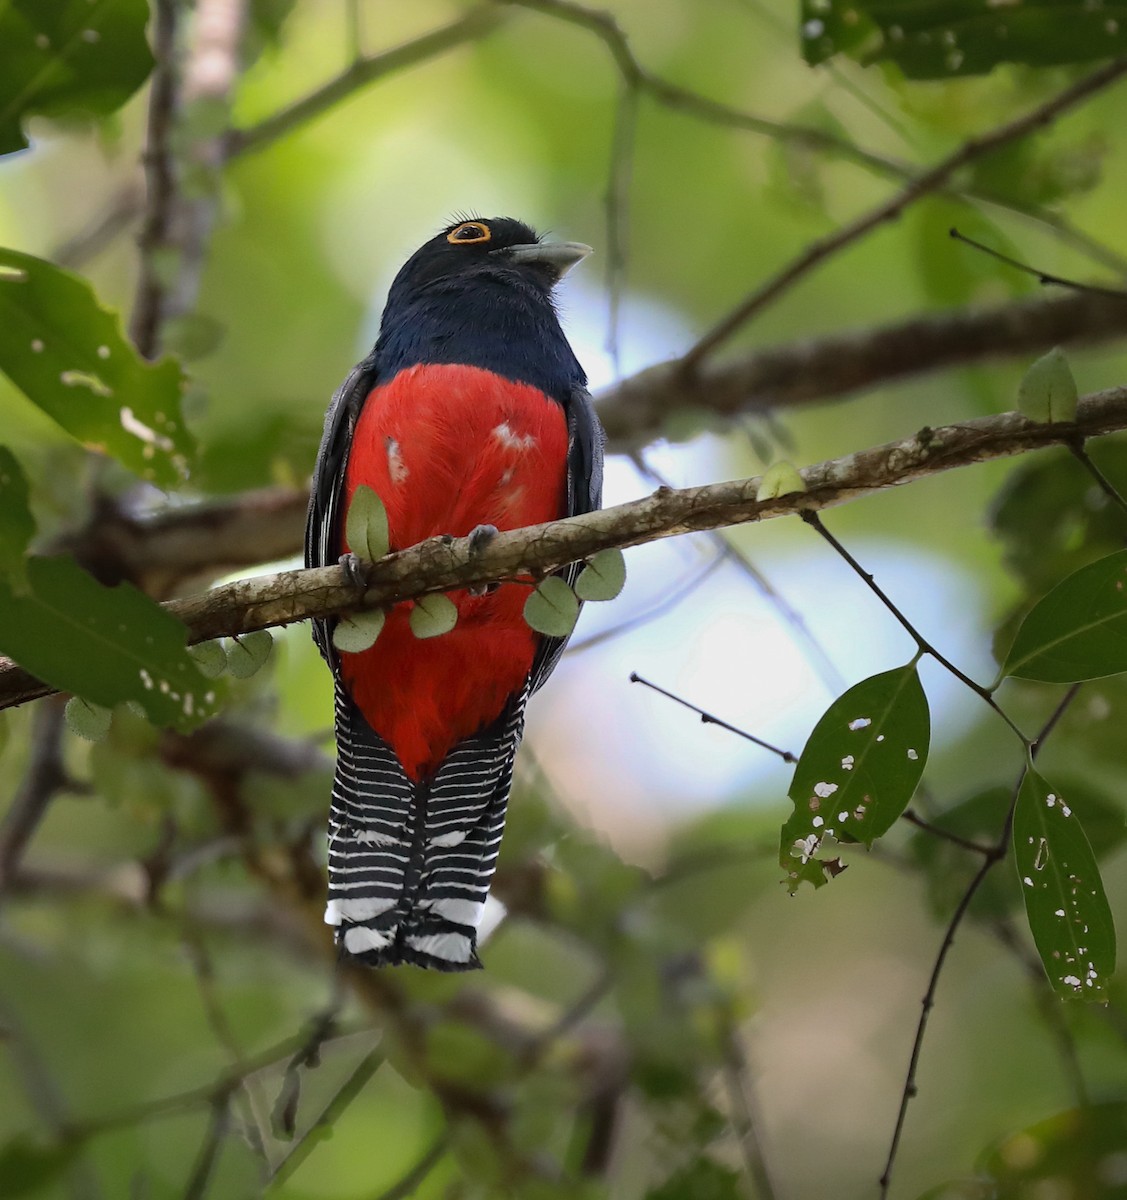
column 410, row 863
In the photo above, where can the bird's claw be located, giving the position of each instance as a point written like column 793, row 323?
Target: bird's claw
column 481, row 536
column 355, row 570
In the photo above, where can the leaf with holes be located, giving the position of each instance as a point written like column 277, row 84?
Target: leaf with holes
column 68, row 356
column 604, row 576
column 17, row 526
column 432, row 616
column 365, row 527
column 1064, row 895
column 247, row 653
column 357, row 632
column 86, row 720
column 1047, row 391
column 104, row 644
column 858, row 770
column 553, row 608
column 65, row 56
column 961, row 37
column 1079, row 630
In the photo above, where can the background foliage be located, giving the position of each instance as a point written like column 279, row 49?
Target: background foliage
column 659, row 1018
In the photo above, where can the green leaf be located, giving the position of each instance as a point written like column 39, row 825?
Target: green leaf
column 89, row 721
column 104, row 644
column 27, row 1167
column 248, row 652
column 432, row 616
column 63, row 56
column 365, row 527
column 1079, row 630
column 17, row 526
column 780, row 479
column 552, row 608
column 210, row 658
column 604, row 576
column 357, row 632
column 962, row 37
column 68, row 356
column 1064, row 895
column 1047, row 391
column 702, row 1179
column 858, row 770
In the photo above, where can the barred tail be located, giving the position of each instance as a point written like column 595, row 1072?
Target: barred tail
column 410, row 863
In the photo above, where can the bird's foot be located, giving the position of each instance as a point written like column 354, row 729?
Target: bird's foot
column 355, row 570
column 481, row 536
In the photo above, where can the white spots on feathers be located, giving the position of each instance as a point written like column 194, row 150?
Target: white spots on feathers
column 511, row 440
column 396, row 467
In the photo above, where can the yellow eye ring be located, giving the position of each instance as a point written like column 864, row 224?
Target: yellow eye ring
column 468, row 233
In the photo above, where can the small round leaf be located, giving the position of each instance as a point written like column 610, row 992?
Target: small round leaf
column 89, row 721
column 432, row 616
column 553, row 608
column 603, row 577
column 365, row 527
column 210, row 658
column 248, row 652
column 780, row 479
column 357, row 632
column 1047, row 391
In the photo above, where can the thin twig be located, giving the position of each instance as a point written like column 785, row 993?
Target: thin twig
column 989, row 861
column 924, row 646
column 204, row 1168
column 1105, row 485
column 913, row 818
column 922, row 185
column 706, row 718
column 1042, row 277
column 361, row 1075
column 476, row 24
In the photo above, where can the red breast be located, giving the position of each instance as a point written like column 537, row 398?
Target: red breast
column 447, row 448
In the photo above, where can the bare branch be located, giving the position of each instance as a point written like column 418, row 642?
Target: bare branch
column 922, row 185
column 362, row 71
column 439, row 565
column 829, row 368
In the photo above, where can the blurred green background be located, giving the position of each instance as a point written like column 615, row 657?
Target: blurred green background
column 162, row 933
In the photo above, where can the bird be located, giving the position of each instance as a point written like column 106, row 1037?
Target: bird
column 471, row 414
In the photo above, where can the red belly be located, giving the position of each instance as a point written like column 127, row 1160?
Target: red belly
column 448, row 448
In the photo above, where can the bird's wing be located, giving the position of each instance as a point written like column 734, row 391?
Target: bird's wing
column 323, row 524
column 584, row 494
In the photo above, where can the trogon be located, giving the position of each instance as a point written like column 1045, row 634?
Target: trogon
column 470, row 414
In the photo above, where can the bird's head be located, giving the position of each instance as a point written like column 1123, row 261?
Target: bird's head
column 494, row 247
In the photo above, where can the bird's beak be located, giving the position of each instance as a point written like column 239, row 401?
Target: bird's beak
column 557, row 257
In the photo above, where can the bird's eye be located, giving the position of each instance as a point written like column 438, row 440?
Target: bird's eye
column 469, row 232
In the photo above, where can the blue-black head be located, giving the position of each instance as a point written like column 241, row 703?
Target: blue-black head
column 479, row 293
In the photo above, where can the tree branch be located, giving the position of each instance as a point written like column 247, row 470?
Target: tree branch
column 438, row 565
column 634, row 411
column 927, row 182
column 475, row 24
